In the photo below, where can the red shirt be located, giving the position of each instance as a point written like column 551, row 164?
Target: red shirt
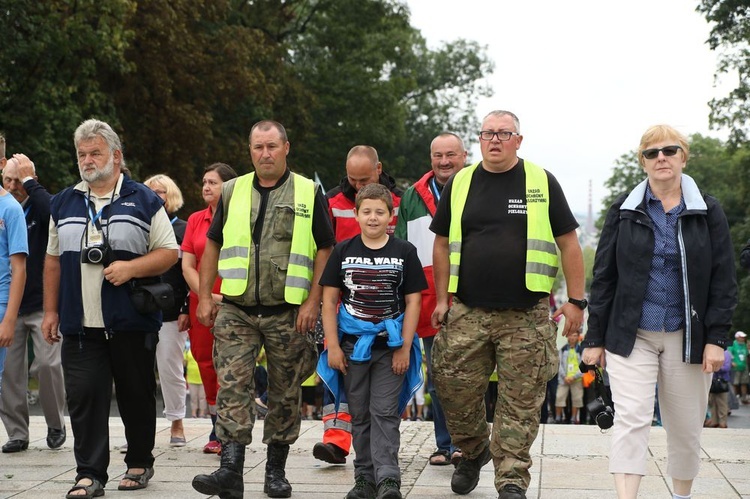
column 195, row 239
column 345, row 225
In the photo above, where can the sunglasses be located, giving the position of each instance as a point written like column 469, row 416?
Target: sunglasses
column 667, row 151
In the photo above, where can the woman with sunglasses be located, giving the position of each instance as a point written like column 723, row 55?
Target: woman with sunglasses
column 661, row 305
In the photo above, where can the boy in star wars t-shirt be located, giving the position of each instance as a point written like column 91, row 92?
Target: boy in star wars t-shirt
column 379, row 280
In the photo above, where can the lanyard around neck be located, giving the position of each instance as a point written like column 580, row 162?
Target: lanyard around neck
column 94, row 217
column 435, row 191
column 90, row 203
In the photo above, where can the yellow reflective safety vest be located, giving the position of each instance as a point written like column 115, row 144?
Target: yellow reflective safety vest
column 541, row 250
column 234, row 259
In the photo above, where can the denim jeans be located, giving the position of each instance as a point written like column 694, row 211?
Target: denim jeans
column 442, row 437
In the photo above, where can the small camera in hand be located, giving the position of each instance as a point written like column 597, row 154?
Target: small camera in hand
column 100, row 254
column 603, row 414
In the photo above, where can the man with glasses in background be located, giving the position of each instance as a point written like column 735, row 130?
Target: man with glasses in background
column 498, row 226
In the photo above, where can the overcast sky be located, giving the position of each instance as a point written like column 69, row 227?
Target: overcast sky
column 586, row 77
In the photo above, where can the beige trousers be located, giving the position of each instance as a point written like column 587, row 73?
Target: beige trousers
column 718, row 404
column 683, row 395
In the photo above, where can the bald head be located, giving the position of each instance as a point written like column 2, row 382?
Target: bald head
column 362, row 166
column 12, row 180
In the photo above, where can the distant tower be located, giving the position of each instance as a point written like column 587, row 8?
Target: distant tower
column 590, row 222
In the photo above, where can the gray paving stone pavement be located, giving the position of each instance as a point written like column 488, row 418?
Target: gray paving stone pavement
column 569, row 462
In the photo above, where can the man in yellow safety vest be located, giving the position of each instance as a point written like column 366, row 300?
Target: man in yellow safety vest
column 269, row 240
column 498, row 227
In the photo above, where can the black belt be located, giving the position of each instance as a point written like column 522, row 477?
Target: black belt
column 263, row 310
column 100, row 330
column 380, row 342
column 94, row 330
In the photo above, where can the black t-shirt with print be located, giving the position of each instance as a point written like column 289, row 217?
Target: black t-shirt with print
column 374, row 282
column 493, row 249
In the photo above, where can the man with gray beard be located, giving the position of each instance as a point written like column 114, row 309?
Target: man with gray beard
column 105, row 232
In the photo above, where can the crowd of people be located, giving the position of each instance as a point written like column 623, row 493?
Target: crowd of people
column 353, row 288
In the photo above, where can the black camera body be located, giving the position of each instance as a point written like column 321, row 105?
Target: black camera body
column 599, row 409
column 603, row 414
column 100, row 254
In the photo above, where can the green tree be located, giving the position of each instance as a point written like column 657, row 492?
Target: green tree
column 57, row 57
column 182, row 82
column 374, row 81
column 730, row 33
column 626, row 174
column 588, row 266
column 449, row 83
column 199, row 80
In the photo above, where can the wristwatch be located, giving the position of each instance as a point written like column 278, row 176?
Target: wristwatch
column 582, row 304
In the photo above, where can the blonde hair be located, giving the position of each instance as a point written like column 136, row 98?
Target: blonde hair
column 663, row 133
column 174, row 199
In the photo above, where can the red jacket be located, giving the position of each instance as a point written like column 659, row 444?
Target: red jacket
column 341, row 207
column 418, row 206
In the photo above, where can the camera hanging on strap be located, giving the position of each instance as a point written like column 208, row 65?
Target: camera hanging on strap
column 600, row 408
column 96, row 250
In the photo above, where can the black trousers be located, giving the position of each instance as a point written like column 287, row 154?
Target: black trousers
column 91, row 361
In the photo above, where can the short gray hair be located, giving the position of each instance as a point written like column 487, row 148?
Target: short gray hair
column 92, row 128
column 450, row 134
column 499, row 112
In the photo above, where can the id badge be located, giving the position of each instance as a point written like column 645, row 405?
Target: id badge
column 95, row 237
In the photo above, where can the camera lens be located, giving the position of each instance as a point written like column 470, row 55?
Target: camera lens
column 95, row 255
column 605, row 419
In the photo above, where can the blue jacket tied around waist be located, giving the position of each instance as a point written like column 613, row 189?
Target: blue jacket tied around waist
column 367, row 331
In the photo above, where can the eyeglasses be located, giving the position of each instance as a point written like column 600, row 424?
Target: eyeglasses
column 667, row 151
column 488, row 135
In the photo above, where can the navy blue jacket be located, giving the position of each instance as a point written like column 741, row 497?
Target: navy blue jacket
column 622, row 265
column 37, row 226
column 127, row 223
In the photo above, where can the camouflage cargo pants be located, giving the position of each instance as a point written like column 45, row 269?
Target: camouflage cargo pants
column 522, row 345
column 291, row 356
